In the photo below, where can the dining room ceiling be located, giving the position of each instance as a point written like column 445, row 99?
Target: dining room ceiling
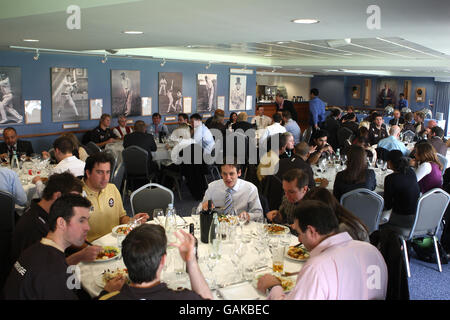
column 413, row 38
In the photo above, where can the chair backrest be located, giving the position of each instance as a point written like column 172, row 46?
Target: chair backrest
column 135, row 160
column 366, row 205
column 307, row 135
column 114, row 164
column 7, row 204
column 149, row 197
column 272, row 189
column 6, row 230
column 382, row 153
column 118, row 175
column 430, row 210
column 91, row 148
column 343, row 134
column 443, row 160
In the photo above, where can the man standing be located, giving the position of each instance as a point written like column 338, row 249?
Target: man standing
column 202, row 135
column 392, row 142
column 261, row 120
column 377, row 129
column 122, row 129
column 233, row 193
column 359, row 270
column 102, row 135
column 316, row 109
column 402, row 102
column 274, row 128
column 11, row 144
column 283, row 105
column 291, row 126
column 107, row 208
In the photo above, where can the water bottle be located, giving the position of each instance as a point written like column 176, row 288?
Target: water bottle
column 171, row 224
column 15, row 165
column 214, row 239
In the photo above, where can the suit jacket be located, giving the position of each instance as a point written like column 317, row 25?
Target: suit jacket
column 140, row 139
column 22, row 146
column 289, row 106
column 244, row 125
column 295, row 162
column 394, row 121
column 439, row 145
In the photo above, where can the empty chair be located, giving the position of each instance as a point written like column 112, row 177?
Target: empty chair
column 307, row 135
column 366, row 205
column 6, row 230
column 442, row 160
column 91, row 148
column 135, row 160
column 213, row 174
column 430, row 210
column 149, row 197
column 118, row 177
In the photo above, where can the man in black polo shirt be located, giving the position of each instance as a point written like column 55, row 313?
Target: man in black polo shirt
column 377, row 130
column 144, row 255
column 102, row 135
column 33, row 225
column 41, row 272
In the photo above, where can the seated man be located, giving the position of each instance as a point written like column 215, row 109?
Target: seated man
column 295, row 186
column 408, row 125
column 102, row 134
column 183, row 118
column 274, row 128
column 107, row 208
column 202, row 135
column 397, row 120
column 10, row 182
column 260, row 120
column 242, row 122
column 11, row 143
column 320, row 146
column 41, row 272
column 122, row 129
column 144, row 255
column 339, row 268
column 233, row 193
column 430, row 125
column 392, row 142
column 157, row 127
column 435, row 137
column 377, row 130
column 349, row 121
column 268, row 164
column 291, row 126
column 142, row 139
column 33, row 225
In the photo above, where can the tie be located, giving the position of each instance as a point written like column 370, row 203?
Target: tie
column 228, row 202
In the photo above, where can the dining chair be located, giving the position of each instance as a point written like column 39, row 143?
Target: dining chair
column 91, row 148
column 7, row 223
column 135, row 160
column 367, row 205
column 149, row 197
column 443, row 160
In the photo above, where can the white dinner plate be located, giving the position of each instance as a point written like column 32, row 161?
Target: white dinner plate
column 286, row 230
column 292, row 258
column 110, row 259
column 114, row 230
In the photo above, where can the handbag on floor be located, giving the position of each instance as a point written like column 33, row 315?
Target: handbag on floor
column 424, row 250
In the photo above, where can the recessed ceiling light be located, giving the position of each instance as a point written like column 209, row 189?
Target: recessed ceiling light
column 30, row 40
column 132, row 32
column 281, row 42
column 348, row 54
column 305, row 21
column 267, row 55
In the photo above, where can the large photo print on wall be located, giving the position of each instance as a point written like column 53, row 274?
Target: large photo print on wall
column 238, row 89
column 69, row 94
column 170, row 93
column 11, row 109
column 206, row 92
column 126, row 93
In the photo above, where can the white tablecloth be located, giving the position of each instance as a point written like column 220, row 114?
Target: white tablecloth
column 225, row 271
column 160, row 154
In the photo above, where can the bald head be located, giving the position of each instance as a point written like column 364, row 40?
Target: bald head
column 395, row 131
column 431, row 124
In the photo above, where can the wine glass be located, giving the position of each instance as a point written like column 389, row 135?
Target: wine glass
column 158, row 215
column 195, row 215
column 380, row 163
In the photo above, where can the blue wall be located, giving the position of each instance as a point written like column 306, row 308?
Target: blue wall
column 36, row 85
column 336, row 90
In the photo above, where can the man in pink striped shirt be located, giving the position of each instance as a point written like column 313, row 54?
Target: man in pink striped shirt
column 339, row 268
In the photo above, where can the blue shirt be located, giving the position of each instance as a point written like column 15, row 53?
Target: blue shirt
column 203, row 136
column 160, row 128
column 9, row 182
column 391, row 143
column 316, row 111
column 402, row 103
column 292, row 127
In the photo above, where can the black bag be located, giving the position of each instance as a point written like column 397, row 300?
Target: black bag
column 428, row 254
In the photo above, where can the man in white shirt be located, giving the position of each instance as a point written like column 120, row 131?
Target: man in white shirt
column 202, row 135
column 262, row 121
column 232, row 193
column 63, row 147
column 275, row 128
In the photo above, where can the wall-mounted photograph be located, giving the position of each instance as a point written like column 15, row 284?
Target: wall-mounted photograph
column 69, row 94
column 170, row 93
column 386, row 92
column 126, row 93
column 11, row 111
column 32, row 111
column 146, row 106
column 356, row 91
column 96, row 109
column 206, row 92
column 238, row 89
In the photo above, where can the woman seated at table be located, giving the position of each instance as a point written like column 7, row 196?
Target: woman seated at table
column 401, row 190
column 356, row 175
column 348, row 222
column 233, row 120
column 427, row 167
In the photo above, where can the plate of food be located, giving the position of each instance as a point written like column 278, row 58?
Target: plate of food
column 276, row 229
column 108, row 253
column 229, row 219
column 288, row 283
column 108, row 274
column 121, row 229
column 297, row 253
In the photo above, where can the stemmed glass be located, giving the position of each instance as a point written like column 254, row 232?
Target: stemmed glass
column 158, row 215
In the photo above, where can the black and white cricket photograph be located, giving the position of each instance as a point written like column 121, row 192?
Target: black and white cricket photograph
column 238, row 89
column 126, row 93
column 11, row 110
column 206, row 92
column 69, row 94
column 170, row 93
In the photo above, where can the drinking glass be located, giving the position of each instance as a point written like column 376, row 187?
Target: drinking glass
column 158, row 215
column 195, row 215
column 278, row 258
column 380, row 163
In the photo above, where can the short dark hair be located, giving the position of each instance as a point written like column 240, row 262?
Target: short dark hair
column 9, row 129
column 277, row 117
column 156, row 114
column 300, row 175
column 316, row 214
column 315, row 91
column 349, row 116
column 335, row 112
column 98, row 157
column 142, row 250
column 184, row 116
column 409, row 116
column 62, row 182
column 64, row 145
column 279, row 94
column 233, row 163
column 402, row 94
column 398, row 161
column 301, row 149
column 320, row 134
column 196, row 116
column 286, row 114
column 104, row 116
column 140, row 126
column 376, row 115
column 438, row 131
column 63, row 208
